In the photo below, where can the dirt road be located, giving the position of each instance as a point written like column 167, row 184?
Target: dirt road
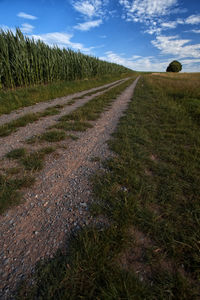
column 43, row 105
column 58, row 202
column 16, row 139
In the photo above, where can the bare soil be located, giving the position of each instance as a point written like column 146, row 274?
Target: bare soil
column 59, row 200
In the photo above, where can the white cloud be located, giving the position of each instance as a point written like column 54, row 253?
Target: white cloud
column 170, row 25
column 190, row 65
column 136, row 62
column 146, row 10
column 153, row 29
column 135, row 56
column 89, row 8
column 150, row 63
column 196, row 30
column 27, row 28
column 151, row 13
column 193, row 19
column 88, row 25
column 62, row 40
column 154, row 14
column 174, row 46
column 26, row 16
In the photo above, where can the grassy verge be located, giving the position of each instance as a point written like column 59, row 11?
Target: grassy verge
column 150, row 195
column 21, row 97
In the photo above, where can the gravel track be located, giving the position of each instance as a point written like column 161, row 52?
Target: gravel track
column 16, row 139
column 57, row 203
column 5, row 118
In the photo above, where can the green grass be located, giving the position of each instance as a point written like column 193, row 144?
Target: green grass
column 51, row 111
column 77, row 120
column 150, row 196
column 73, row 126
column 13, row 171
column 73, row 137
column 86, row 95
column 12, row 126
column 32, row 161
column 53, row 136
column 16, row 153
column 72, row 101
column 22, row 97
column 189, row 97
column 9, row 191
column 10, row 186
column 35, row 161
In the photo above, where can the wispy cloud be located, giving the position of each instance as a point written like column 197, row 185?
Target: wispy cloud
column 190, row 65
column 193, row 19
column 26, row 16
column 151, row 13
column 196, row 30
column 27, row 28
column 155, row 14
column 153, row 28
column 172, row 24
column 62, row 40
column 89, row 8
column 144, row 11
column 172, row 45
column 88, row 25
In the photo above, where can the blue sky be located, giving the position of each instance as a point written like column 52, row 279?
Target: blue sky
column 143, row 35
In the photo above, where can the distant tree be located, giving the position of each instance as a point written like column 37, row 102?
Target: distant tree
column 174, row 66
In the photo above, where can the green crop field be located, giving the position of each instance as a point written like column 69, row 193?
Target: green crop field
column 25, row 62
